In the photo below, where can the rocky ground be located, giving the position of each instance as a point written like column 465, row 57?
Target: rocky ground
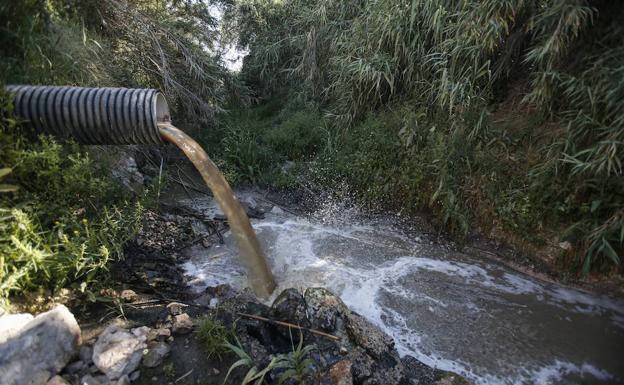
column 149, row 330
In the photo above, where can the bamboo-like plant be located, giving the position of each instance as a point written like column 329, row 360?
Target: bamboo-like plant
column 458, row 60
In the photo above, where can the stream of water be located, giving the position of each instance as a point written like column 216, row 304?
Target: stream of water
column 472, row 316
column 251, row 254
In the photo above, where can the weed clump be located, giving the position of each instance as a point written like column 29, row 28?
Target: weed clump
column 215, row 337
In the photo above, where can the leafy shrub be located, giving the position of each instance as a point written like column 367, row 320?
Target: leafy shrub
column 66, row 221
column 243, row 154
column 459, row 69
column 298, row 137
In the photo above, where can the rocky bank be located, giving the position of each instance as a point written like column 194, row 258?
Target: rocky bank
column 347, row 349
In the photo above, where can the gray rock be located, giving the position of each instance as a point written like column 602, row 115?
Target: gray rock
column 368, row 336
column 155, row 354
column 419, row 372
column 118, row 352
column 371, row 353
column 94, row 380
column 370, row 371
column 11, row 324
column 277, row 210
column 182, row 324
column 449, row 378
column 135, row 375
column 141, row 332
column 40, row 349
column 158, row 334
column 86, row 354
column 76, row 367
column 57, row 380
column 324, row 308
column 290, row 306
column 125, row 169
column 123, row 380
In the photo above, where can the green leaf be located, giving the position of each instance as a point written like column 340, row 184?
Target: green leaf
column 235, row 365
column 8, row 188
column 5, row 171
column 608, row 250
column 595, row 204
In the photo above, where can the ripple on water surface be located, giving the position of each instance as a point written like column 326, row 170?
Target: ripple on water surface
column 480, row 319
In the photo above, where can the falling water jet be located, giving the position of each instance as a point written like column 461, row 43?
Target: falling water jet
column 117, row 116
column 259, row 275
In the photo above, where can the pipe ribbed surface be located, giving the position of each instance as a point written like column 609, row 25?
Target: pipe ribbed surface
column 93, row 115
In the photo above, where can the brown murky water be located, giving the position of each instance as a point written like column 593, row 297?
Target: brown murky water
column 258, row 273
column 450, row 310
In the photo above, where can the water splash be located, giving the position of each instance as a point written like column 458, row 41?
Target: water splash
column 474, row 317
column 259, row 276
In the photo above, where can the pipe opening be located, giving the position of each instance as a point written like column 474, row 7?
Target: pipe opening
column 161, row 109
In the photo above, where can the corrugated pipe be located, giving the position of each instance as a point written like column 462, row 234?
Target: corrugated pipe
column 93, row 115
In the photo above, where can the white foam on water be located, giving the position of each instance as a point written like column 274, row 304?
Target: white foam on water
column 294, row 247
column 553, row 373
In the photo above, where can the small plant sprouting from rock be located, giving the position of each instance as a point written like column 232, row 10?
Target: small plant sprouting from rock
column 254, row 375
column 215, row 337
column 297, row 365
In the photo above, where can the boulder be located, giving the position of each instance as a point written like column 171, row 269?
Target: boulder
column 324, row 308
column 371, row 352
column 368, row 336
column 76, row 367
column 449, row 378
column 11, row 324
column 290, row 306
column 420, row 373
column 39, row 349
column 118, row 352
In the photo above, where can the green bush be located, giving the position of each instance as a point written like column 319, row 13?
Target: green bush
column 66, row 220
column 298, row 137
column 243, row 155
column 463, row 73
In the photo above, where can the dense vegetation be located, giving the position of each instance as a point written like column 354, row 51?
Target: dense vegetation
column 62, row 216
column 505, row 115
column 502, row 115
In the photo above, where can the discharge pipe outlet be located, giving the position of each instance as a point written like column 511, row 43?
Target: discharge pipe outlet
column 93, row 115
column 137, row 116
